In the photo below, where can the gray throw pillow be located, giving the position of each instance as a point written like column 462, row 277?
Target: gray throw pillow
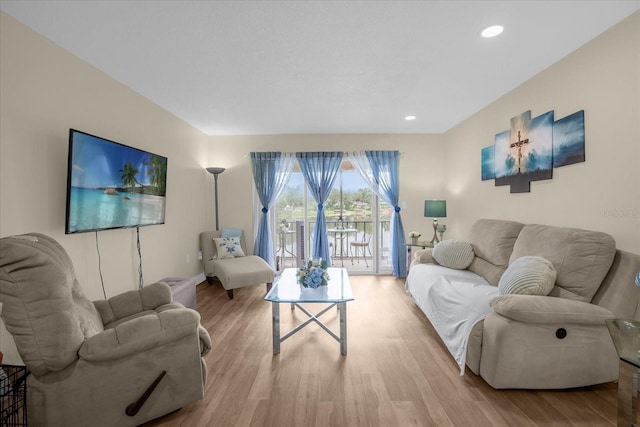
column 456, row 254
column 528, row 275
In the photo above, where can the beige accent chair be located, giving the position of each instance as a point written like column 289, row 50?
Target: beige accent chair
column 233, row 273
column 119, row 362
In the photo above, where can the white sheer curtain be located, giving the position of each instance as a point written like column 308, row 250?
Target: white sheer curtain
column 271, row 172
column 379, row 169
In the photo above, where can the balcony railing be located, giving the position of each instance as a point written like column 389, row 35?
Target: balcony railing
column 341, row 235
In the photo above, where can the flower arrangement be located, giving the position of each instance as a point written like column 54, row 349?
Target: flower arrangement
column 314, row 274
column 414, row 234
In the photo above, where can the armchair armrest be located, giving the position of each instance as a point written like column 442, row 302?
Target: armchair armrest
column 132, row 302
column 140, row 334
column 206, row 245
column 205, row 341
column 549, row 310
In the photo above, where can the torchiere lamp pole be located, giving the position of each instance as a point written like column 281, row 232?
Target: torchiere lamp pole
column 216, row 172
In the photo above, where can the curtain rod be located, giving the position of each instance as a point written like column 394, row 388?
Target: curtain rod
column 293, row 152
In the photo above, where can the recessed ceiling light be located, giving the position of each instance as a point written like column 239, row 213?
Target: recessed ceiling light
column 492, row 31
column 410, row 117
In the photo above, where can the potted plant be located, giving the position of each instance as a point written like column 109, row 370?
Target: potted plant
column 414, row 237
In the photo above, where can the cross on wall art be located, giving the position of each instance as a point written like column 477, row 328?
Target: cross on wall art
column 531, row 148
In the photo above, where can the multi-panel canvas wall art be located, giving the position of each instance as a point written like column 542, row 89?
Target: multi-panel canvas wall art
column 531, row 148
column 568, row 140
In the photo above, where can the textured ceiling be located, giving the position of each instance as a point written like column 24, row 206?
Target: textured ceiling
column 278, row 67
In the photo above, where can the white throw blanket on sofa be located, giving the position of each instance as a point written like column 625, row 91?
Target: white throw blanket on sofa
column 453, row 302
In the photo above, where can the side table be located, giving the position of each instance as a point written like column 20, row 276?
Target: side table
column 625, row 334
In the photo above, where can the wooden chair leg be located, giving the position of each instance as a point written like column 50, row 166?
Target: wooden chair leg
column 230, row 293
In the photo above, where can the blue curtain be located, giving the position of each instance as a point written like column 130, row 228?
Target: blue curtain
column 380, row 169
column 271, row 172
column 319, row 171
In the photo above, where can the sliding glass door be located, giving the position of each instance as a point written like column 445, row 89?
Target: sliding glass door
column 357, row 224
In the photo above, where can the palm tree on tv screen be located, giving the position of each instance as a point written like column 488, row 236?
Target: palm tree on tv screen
column 157, row 174
column 128, row 176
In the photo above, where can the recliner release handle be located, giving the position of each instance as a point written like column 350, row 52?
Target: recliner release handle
column 135, row 407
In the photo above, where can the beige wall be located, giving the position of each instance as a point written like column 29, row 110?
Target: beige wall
column 44, row 92
column 603, row 79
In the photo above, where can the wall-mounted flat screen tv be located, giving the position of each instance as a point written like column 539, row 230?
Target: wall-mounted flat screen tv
column 111, row 185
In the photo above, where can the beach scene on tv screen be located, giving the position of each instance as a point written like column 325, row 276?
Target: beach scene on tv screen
column 113, row 186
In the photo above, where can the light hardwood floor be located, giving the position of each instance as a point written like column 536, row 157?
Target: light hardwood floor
column 396, row 373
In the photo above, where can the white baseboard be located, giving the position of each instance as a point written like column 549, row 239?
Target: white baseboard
column 200, row 278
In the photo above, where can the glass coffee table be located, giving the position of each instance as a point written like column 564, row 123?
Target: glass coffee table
column 288, row 290
column 625, row 334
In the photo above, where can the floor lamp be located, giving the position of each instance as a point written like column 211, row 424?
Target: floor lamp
column 216, row 172
column 435, row 209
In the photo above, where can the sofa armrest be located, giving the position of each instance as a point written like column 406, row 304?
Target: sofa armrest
column 132, row 302
column 140, row 334
column 549, row 310
column 424, row 256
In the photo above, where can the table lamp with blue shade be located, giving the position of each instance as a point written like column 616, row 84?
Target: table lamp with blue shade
column 435, row 209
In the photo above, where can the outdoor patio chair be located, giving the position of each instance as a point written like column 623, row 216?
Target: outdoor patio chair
column 361, row 246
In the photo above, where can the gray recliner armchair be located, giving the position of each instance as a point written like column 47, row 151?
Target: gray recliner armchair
column 123, row 361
